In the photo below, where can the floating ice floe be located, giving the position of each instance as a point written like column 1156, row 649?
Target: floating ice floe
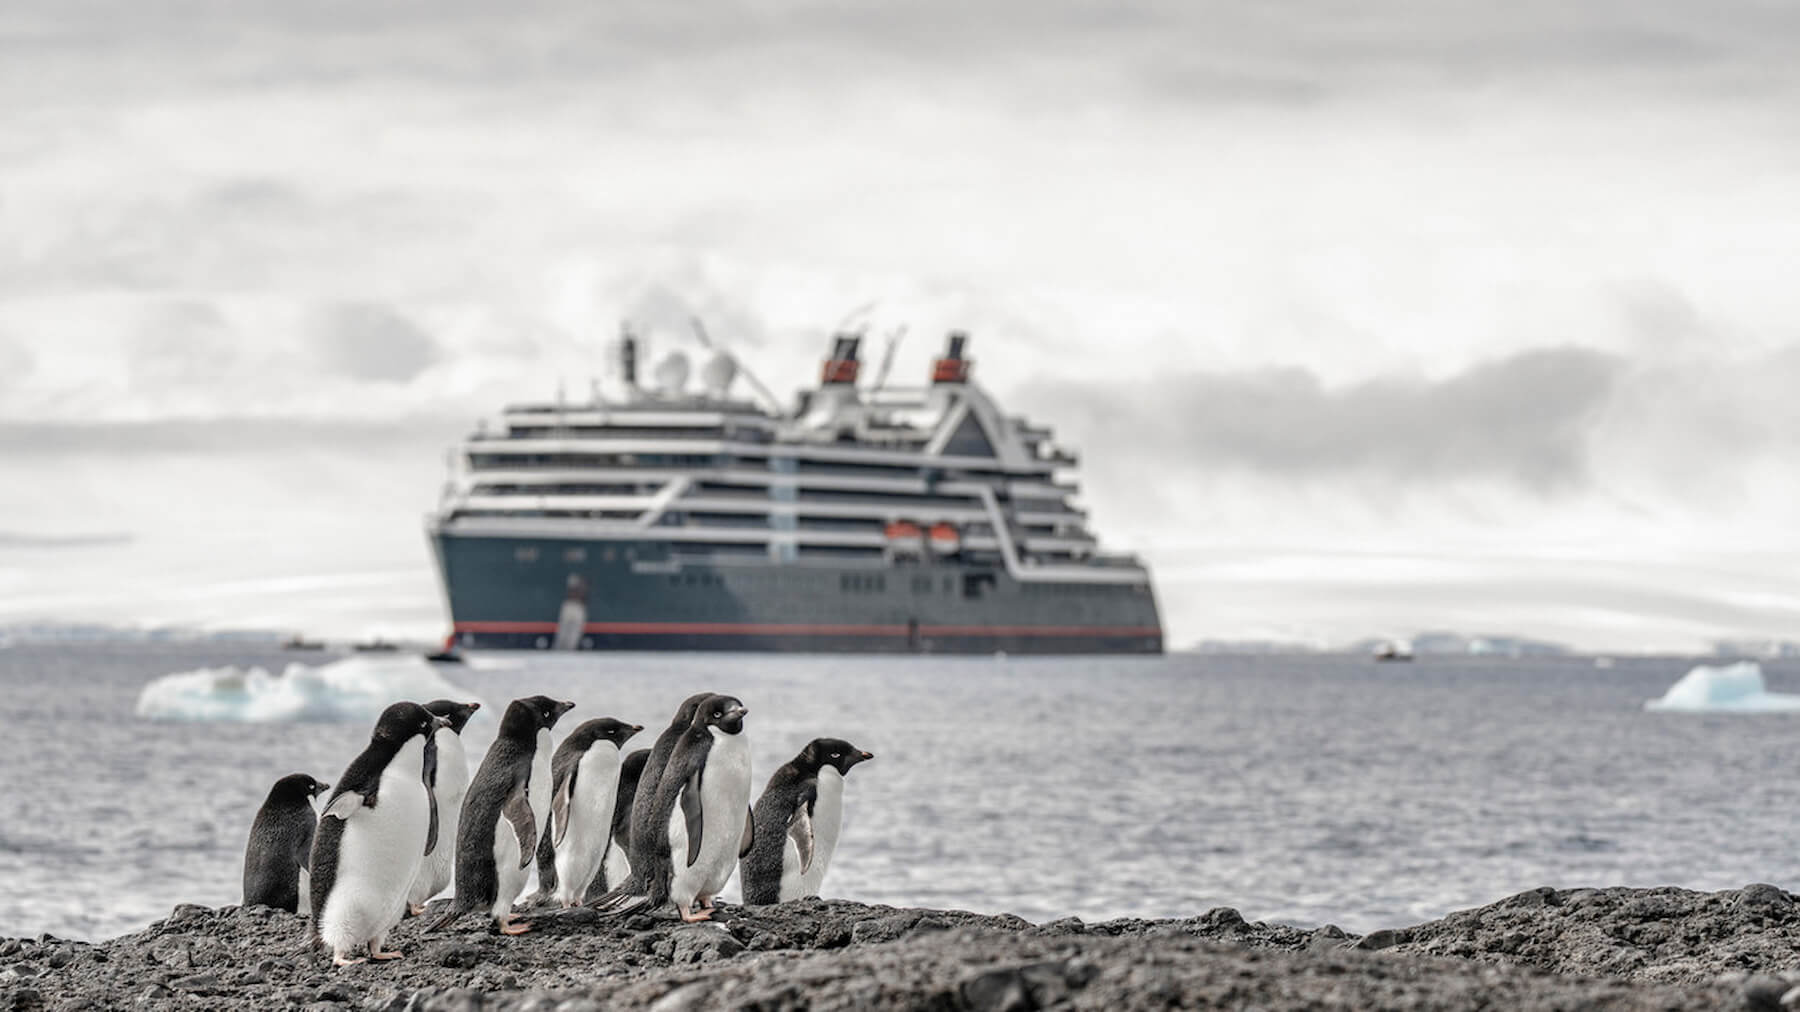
column 356, row 688
column 1728, row 688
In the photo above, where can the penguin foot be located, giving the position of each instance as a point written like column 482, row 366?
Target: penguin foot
column 416, row 909
column 339, row 959
column 508, row 926
column 698, row 915
column 383, row 955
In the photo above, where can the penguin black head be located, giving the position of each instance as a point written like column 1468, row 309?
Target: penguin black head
column 603, row 729
column 836, row 752
column 297, row 787
column 458, row 713
column 526, row 717
column 403, row 720
column 723, row 712
column 684, row 714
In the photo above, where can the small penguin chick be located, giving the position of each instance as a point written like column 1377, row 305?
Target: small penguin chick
column 280, row 847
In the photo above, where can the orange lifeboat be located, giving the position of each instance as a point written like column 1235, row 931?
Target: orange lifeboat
column 944, row 538
column 901, row 530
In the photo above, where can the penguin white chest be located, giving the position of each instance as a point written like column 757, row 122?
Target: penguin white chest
column 379, row 855
column 590, row 816
column 724, row 805
column 828, row 819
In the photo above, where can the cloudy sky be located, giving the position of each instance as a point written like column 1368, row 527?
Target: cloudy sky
column 1366, row 318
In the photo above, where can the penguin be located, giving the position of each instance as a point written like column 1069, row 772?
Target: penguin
column 797, row 823
column 646, row 849
column 584, row 786
column 616, row 868
column 376, row 829
column 280, row 847
column 451, row 784
column 704, row 801
column 504, row 813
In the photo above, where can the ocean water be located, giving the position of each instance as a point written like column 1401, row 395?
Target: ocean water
column 1306, row 789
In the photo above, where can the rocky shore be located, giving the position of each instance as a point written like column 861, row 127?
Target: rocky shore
column 1610, row 948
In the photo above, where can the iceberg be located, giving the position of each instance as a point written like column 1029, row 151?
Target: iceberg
column 1728, row 688
column 353, row 689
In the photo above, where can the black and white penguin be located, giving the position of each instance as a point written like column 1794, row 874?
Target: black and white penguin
column 584, row 786
column 280, row 847
column 704, row 803
column 646, row 847
column 378, row 825
column 616, row 868
column 797, row 822
column 505, row 812
column 451, row 783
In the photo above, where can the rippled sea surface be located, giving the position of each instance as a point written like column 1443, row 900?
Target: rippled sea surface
column 1302, row 789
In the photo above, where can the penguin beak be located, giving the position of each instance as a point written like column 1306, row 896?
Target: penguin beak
column 737, row 711
column 564, row 707
column 866, row 756
column 474, row 706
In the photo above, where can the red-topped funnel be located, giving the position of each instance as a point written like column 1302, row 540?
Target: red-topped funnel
column 841, row 368
column 953, row 367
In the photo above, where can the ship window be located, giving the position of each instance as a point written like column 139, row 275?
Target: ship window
column 525, row 554
column 974, row 583
column 574, row 555
column 969, row 439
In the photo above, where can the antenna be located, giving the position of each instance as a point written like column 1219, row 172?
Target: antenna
column 706, row 341
column 844, row 327
column 887, row 357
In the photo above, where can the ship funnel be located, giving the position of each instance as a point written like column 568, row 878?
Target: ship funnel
column 953, row 367
column 841, row 367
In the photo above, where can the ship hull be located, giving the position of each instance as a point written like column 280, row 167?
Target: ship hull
column 539, row 593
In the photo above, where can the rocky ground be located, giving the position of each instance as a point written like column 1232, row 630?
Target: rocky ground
column 1544, row 949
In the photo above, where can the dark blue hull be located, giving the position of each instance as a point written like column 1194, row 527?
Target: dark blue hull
column 552, row 593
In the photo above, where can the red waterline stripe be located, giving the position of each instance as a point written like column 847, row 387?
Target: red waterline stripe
column 769, row 629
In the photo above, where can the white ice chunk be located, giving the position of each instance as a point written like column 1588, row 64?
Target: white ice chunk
column 1729, row 688
column 356, row 688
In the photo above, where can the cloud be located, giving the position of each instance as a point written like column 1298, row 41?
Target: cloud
column 60, row 441
column 1524, row 420
column 369, row 341
column 25, row 539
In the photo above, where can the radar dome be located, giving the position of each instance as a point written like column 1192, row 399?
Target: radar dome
column 718, row 372
column 672, row 374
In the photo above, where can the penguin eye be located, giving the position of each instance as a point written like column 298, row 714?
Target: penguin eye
column 837, row 755
column 718, row 713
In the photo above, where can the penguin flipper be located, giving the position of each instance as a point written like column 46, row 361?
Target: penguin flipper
column 696, row 817
column 431, row 827
column 430, row 779
column 800, row 830
column 524, row 825
column 346, row 804
column 559, row 808
column 749, row 839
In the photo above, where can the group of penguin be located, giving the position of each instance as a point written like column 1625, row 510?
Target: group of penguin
column 619, row 832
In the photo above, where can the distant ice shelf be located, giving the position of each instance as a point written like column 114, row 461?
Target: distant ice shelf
column 1727, row 688
column 356, row 688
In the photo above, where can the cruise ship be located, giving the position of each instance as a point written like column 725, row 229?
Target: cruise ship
column 867, row 518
